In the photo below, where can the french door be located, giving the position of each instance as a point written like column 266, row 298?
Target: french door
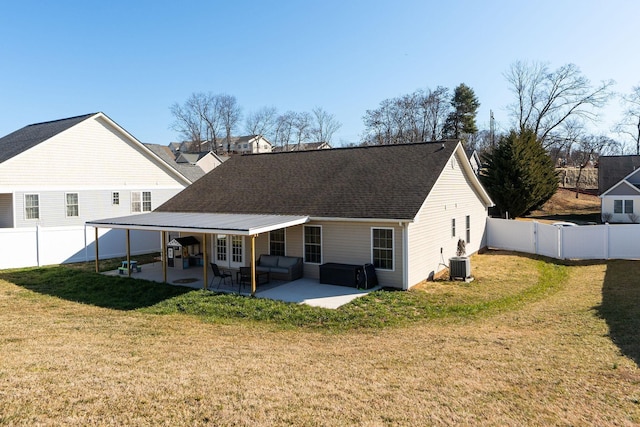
column 229, row 250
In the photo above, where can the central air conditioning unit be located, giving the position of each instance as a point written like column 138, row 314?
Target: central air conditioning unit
column 460, row 268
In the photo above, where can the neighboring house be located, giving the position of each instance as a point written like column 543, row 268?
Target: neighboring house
column 192, row 166
column 205, row 161
column 57, row 175
column 619, row 188
column 249, row 144
column 612, row 169
column 303, row 146
column 402, row 208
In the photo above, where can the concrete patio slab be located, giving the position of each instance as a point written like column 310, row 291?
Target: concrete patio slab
column 302, row 291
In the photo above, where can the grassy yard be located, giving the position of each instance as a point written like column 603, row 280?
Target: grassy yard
column 528, row 342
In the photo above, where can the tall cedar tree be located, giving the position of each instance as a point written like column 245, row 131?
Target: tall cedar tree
column 462, row 120
column 519, row 174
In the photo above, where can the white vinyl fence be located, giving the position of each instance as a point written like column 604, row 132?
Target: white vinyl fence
column 617, row 241
column 37, row 246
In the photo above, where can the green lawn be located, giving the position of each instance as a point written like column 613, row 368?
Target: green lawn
column 530, row 341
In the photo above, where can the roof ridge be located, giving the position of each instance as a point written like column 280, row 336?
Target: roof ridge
column 359, row 147
column 61, row 120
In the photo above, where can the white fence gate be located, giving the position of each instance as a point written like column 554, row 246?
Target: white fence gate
column 36, row 246
column 617, row 241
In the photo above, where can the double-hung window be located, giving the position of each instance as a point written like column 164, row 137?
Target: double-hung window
column 382, row 248
column 31, row 206
column 623, row 206
column 468, row 228
column 71, row 202
column 313, row 244
column 276, row 242
column 141, row 201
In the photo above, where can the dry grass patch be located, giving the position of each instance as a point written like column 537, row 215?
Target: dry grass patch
column 564, row 202
column 552, row 359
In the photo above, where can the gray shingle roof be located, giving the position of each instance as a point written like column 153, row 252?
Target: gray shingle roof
column 190, row 171
column 29, row 136
column 379, row 182
column 612, row 169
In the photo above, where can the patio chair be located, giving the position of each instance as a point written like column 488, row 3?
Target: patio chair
column 222, row 276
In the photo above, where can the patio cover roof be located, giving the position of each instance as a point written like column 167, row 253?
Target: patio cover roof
column 238, row 224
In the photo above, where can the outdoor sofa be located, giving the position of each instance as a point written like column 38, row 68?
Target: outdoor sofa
column 280, row 267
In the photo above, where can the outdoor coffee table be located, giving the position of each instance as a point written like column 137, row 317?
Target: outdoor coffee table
column 262, row 277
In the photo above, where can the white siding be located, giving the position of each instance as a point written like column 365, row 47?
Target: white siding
column 91, row 154
column 430, row 243
column 93, row 159
column 607, row 207
column 348, row 243
column 92, row 204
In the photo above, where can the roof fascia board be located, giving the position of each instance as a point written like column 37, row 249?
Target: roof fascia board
column 621, row 182
column 339, row 219
column 248, row 231
column 23, row 153
column 466, row 165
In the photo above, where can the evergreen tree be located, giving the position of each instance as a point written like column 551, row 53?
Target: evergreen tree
column 519, row 174
column 462, row 120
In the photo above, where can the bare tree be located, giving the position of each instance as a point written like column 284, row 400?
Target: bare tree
column 198, row 120
column 262, row 121
column 283, row 130
column 590, row 149
column 325, row 127
column 302, row 126
column 230, row 113
column 435, row 107
column 546, row 99
column 415, row 117
column 187, row 124
column 630, row 124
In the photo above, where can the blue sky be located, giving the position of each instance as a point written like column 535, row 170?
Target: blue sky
column 133, row 59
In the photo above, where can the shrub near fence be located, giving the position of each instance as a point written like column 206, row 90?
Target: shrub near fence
column 618, row 241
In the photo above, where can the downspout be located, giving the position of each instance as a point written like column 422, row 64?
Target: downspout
column 405, row 255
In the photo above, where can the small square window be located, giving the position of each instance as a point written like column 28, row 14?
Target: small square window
column 115, row 198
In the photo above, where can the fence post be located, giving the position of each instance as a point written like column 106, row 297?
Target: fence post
column 38, row 245
column 559, row 237
column 607, row 238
